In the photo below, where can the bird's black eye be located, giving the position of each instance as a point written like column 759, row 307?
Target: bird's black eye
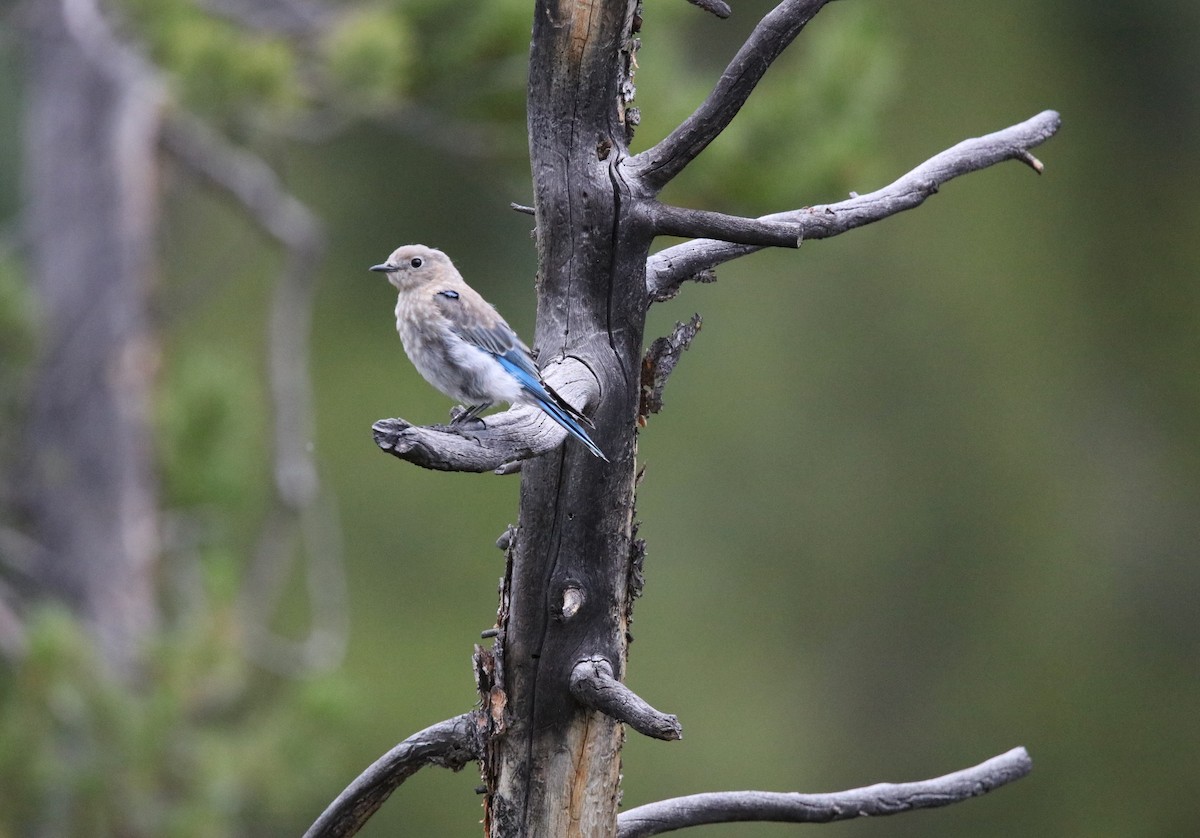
column 417, row 261
column 448, row 294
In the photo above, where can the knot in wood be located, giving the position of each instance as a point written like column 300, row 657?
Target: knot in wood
column 506, row 538
column 572, row 600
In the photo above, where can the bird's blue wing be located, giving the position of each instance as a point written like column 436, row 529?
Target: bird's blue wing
column 484, row 328
column 520, row 366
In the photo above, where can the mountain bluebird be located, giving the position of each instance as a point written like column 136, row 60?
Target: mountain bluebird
column 461, row 345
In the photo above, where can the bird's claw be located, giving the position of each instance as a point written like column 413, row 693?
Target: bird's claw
column 460, row 415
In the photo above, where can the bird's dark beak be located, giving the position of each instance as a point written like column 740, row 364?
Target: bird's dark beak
column 385, row 268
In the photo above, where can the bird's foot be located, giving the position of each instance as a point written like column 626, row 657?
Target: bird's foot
column 460, row 415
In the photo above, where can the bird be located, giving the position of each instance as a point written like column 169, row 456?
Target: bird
column 461, row 345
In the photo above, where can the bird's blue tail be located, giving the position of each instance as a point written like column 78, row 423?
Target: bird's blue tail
column 552, row 404
column 568, row 422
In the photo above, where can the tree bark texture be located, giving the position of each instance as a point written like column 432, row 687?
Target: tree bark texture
column 88, row 488
column 552, row 765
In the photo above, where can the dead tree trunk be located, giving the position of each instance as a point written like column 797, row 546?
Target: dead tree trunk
column 96, row 124
column 88, row 487
column 548, row 734
column 555, row 768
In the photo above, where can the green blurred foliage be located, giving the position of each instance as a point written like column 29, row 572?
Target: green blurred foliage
column 397, row 61
column 811, row 127
column 16, row 351
column 210, row 421
column 189, row 750
column 919, row 494
column 216, row 67
column 473, row 58
column 369, row 55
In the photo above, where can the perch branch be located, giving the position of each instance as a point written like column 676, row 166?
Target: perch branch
column 498, row 441
column 451, row 744
column 669, row 268
column 658, row 165
column 876, row 800
column 667, row 220
column 593, row 685
column 659, row 363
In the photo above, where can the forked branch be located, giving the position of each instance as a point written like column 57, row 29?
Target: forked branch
column 450, row 744
column 668, row 268
column 656, row 166
column 876, row 800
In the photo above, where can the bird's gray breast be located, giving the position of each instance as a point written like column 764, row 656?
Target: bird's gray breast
column 445, row 360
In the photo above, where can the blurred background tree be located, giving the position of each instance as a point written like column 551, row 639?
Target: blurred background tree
column 985, row 531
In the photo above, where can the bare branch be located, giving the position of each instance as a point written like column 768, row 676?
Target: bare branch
column 311, row 535
column 450, row 744
column 496, row 442
column 717, row 7
column 489, row 445
column 871, row 801
column 298, row 504
column 669, row 268
column 594, row 686
column 667, row 220
column 659, row 363
column 121, row 62
column 656, row 166
column 243, row 176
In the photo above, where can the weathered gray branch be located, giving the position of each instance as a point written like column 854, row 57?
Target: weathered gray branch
column 502, row 439
column 667, row 220
column 668, row 268
column 450, row 744
column 593, row 685
column 717, row 7
column 498, row 441
column 876, row 800
column 656, row 166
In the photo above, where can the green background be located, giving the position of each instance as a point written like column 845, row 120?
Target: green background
column 919, row 494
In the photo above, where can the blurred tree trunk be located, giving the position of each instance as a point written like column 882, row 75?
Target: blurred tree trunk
column 555, row 770
column 88, row 487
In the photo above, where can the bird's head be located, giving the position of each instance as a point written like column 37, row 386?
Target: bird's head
column 412, row 265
